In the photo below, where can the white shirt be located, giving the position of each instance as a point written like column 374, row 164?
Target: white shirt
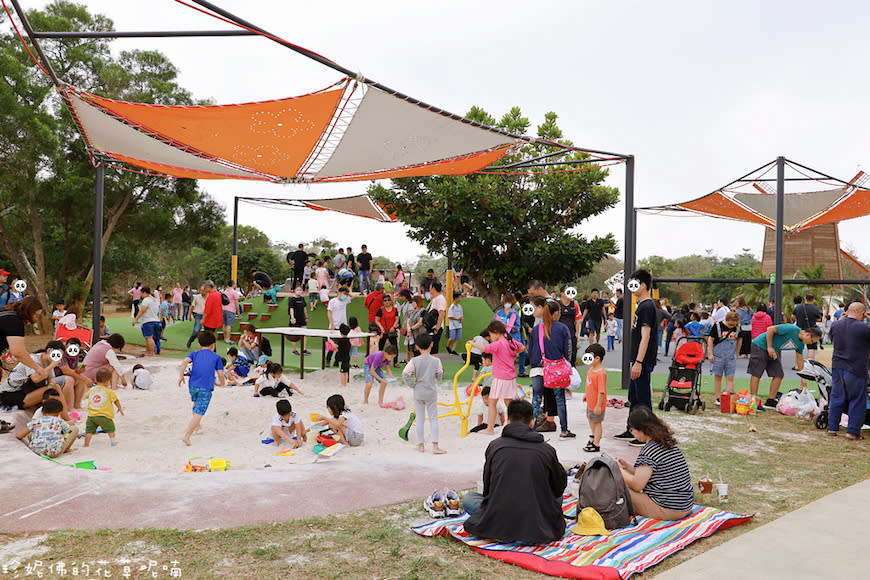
column 278, row 421
column 151, row 310
column 719, row 314
column 339, row 311
column 352, row 422
column 438, row 303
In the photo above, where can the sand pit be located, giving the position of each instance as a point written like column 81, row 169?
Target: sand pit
column 149, row 434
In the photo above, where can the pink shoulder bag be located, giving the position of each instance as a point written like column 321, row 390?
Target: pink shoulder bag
column 557, row 373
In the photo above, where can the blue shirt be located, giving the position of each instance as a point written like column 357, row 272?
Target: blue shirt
column 851, row 346
column 696, row 329
column 205, row 363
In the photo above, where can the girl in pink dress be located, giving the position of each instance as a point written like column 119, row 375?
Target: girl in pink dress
column 504, row 374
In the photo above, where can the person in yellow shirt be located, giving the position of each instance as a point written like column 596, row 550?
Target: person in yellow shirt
column 100, row 412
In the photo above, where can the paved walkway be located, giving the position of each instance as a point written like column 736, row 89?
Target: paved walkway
column 824, row 539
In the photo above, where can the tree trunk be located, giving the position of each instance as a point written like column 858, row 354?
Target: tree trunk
column 114, row 216
column 46, row 325
column 490, row 294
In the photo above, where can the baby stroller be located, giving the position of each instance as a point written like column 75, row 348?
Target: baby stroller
column 816, row 371
column 683, row 388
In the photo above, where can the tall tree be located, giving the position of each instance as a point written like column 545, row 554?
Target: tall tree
column 46, row 182
column 507, row 229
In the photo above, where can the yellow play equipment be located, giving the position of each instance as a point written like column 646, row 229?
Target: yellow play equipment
column 459, row 408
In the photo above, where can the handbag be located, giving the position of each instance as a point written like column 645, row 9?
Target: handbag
column 557, row 373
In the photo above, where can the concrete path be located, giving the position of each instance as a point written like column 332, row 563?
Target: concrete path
column 824, row 539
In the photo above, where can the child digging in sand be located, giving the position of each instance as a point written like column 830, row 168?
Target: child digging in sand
column 204, row 362
column 269, row 384
column 283, row 422
column 100, row 398
column 50, row 435
column 344, row 423
column 373, row 366
column 421, row 374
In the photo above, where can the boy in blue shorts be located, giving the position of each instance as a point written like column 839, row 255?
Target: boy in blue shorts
column 203, row 365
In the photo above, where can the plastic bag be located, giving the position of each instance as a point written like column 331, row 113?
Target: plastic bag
column 808, row 407
column 789, row 403
column 576, row 381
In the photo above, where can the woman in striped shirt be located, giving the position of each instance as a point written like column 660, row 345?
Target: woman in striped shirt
column 659, row 481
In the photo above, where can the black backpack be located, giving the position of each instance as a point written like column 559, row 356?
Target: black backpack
column 430, row 319
column 603, row 489
column 225, row 299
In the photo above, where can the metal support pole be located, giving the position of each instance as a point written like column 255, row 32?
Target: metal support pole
column 629, row 250
column 98, row 250
column 234, row 268
column 780, row 212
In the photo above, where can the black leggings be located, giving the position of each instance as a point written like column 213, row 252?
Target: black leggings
column 391, row 338
column 275, row 391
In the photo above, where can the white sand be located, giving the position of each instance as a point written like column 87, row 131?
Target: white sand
column 149, row 434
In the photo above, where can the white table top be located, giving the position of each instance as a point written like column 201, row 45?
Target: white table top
column 315, row 332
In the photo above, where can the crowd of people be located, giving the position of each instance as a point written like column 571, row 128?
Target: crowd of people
column 534, row 331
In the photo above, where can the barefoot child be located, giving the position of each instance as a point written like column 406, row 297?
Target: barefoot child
column 283, row 422
column 596, row 397
column 204, row 364
column 50, row 435
column 372, row 368
column 421, row 374
column 504, row 373
column 345, row 424
column 100, row 412
column 269, row 384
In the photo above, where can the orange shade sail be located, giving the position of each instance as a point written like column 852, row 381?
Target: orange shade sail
column 274, row 137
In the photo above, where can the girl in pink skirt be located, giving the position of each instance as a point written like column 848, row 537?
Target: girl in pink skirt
column 504, row 374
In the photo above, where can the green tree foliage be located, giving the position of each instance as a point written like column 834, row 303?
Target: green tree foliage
column 254, row 251
column 508, row 229
column 47, row 181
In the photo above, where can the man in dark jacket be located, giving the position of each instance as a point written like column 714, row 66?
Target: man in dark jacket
column 519, row 466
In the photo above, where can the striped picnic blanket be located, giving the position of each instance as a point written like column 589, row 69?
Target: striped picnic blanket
column 624, row 552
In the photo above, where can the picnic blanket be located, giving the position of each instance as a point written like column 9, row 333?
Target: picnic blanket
column 617, row 556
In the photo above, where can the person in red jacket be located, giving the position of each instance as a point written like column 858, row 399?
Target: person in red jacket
column 212, row 315
column 373, row 302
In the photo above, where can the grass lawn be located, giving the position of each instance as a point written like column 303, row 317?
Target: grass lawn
column 783, row 465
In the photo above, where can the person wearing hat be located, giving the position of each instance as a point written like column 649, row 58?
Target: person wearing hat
column 519, row 464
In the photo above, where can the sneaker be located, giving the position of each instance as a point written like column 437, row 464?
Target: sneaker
column 624, row 435
column 770, row 404
column 636, row 443
column 454, row 505
column 566, row 435
column 546, row 427
column 434, row 504
column 718, row 402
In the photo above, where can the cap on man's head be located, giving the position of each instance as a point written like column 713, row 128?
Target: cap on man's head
column 4, row 272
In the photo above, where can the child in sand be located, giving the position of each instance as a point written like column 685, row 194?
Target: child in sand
column 482, row 410
column 100, row 412
column 344, row 423
column 342, row 354
column 204, row 364
column 50, row 435
column 372, row 368
column 421, row 374
column 596, row 397
column 270, row 384
column 238, row 367
column 285, row 420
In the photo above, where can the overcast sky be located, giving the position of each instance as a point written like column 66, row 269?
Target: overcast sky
column 699, row 92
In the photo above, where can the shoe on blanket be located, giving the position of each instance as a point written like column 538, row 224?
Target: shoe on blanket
column 454, row 505
column 434, row 504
